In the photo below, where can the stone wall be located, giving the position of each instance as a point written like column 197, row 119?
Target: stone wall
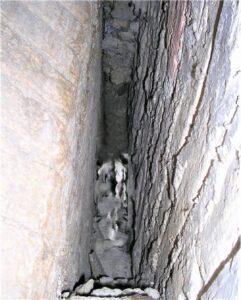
column 185, row 144
column 120, row 27
column 50, row 100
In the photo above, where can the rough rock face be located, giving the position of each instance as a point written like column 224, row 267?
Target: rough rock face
column 185, row 126
column 184, row 134
column 120, row 27
column 51, row 80
column 112, row 226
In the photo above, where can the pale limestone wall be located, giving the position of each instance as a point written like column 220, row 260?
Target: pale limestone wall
column 50, row 94
column 185, row 144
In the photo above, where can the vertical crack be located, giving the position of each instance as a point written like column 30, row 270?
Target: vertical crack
column 219, row 269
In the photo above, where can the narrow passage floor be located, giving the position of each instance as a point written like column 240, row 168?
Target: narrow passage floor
column 110, row 256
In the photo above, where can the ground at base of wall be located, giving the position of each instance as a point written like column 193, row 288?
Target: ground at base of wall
column 134, row 297
column 87, row 291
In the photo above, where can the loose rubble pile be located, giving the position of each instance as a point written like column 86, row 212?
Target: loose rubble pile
column 112, row 234
column 110, row 255
column 87, row 291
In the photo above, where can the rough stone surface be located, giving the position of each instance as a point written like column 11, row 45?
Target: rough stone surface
column 50, row 97
column 152, row 293
column 133, row 297
column 120, row 30
column 185, row 126
column 106, row 292
column 184, row 135
column 110, row 256
column 113, row 293
column 86, row 288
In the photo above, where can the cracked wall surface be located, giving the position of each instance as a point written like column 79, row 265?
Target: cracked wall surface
column 185, row 144
column 50, row 90
column 120, row 27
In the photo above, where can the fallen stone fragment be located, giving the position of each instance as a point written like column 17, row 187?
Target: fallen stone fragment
column 86, row 288
column 130, row 291
column 118, row 24
column 107, row 204
column 105, row 227
column 104, row 171
column 133, row 297
column 115, row 256
column 152, row 293
column 106, row 292
column 136, row 297
column 65, row 295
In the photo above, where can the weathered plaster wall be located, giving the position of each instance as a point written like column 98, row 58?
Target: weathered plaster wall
column 50, row 97
column 185, row 126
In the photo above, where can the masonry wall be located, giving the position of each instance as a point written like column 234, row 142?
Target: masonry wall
column 50, row 101
column 120, row 27
column 185, row 144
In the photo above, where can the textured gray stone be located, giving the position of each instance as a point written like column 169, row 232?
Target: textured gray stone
column 184, row 134
column 122, row 11
column 127, row 36
column 134, row 26
column 131, row 291
column 107, row 292
column 154, row 294
column 185, row 126
column 115, row 293
column 111, row 238
column 120, row 24
column 65, row 295
column 120, row 76
column 227, row 283
column 105, row 280
column 86, row 288
column 117, row 258
column 118, row 51
column 107, row 204
column 110, row 282
column 133, row 297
